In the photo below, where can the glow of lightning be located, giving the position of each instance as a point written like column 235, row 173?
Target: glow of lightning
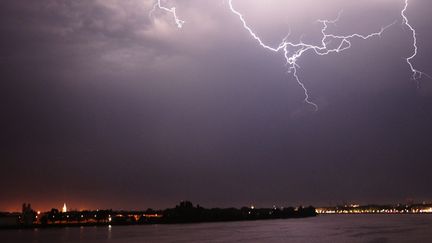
column 293, row 51
column 172, row 11
column 416, row 74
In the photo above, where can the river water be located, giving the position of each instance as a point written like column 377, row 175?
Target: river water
column 324, row 228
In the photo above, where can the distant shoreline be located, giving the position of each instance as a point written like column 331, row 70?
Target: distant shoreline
column 183, row 213
column 104, row 224
column 75, row 225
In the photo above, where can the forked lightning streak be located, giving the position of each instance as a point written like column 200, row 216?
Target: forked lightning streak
column 293, row 51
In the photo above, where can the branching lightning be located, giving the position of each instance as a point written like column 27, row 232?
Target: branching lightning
column 416, row 74
column 172, row 11
column 293, row 51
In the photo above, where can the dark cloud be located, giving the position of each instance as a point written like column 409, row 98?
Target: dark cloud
column 103, row 106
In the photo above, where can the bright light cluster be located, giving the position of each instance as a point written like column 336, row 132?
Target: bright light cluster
column 414, row 210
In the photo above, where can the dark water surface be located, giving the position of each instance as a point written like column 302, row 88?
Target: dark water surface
column 325, row 228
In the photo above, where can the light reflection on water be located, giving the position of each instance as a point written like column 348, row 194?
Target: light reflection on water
column 326, row 228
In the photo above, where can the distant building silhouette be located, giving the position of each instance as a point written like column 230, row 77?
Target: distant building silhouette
column 28, row 215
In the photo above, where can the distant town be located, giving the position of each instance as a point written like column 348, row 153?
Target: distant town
column 185, row 212
column 423, row 208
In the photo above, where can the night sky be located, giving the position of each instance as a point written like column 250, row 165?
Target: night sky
column 104, row 107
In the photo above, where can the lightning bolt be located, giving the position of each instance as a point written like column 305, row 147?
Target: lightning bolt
column 294, row 51
column 172, row 11
column 416, row 74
